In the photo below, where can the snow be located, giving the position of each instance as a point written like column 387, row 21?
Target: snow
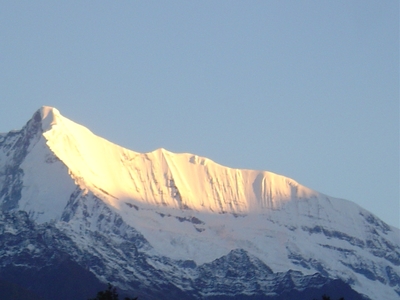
column 191, row 208
column 47, row 184
column 49, row 116
column 162, row 178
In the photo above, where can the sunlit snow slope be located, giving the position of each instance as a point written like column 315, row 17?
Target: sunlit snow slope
column 163, row 178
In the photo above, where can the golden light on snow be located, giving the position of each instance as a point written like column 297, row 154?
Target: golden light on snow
column 160, row 177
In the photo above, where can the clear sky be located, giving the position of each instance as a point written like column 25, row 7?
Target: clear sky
column 306, row 89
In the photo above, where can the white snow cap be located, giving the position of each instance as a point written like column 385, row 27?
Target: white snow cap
column 163, row 178
column 49, row 117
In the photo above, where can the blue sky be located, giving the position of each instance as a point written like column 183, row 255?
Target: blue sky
column 306, row 89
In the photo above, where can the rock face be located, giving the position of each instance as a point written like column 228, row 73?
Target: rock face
column 79, row 211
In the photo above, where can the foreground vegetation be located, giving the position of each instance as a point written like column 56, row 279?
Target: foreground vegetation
column 325, row 297
column 111, row 294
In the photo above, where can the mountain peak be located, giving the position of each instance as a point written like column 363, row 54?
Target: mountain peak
column 162, row 178
column 49, row 116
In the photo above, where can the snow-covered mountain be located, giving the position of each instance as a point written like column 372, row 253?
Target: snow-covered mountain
column 160, row 221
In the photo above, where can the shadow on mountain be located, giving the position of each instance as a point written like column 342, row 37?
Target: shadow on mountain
column 65, row 281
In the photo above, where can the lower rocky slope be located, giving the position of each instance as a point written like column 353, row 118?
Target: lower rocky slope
column 47, row 262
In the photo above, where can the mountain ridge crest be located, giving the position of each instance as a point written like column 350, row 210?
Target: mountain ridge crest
column 161, row 177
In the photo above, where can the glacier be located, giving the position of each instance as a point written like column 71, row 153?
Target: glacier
column 181, row 210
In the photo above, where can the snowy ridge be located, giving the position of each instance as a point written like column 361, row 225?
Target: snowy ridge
column 163, row 178
column 163, row 209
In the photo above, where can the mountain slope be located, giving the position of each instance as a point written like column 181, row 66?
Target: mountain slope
column 142, row 219
column 162, row 177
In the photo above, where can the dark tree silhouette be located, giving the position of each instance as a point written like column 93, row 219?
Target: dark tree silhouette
column 325, row 297
column 109, row 294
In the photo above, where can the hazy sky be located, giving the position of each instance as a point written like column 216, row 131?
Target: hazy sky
column 306, row 89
